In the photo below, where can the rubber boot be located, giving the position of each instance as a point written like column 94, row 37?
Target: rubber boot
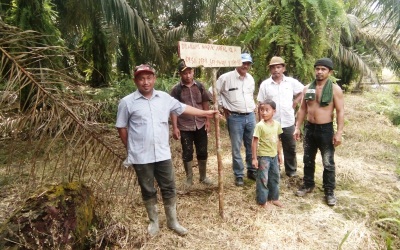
column 189, row 173
column 151, row 208
column 172, row 221
column 203, row 172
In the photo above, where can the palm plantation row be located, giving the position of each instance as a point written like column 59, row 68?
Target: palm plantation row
column 108, row 37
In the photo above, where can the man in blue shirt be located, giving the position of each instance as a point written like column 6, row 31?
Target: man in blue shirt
column 142, row 123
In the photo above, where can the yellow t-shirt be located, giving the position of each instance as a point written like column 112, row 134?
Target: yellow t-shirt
column 268, row 136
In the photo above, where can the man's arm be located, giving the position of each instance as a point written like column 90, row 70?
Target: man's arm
column 123, row 134
column 206, row 106
column 218, row 88
column 189, row 110
column 338, row 102
column 301, row 114
column 297, row 99
column 176, row 133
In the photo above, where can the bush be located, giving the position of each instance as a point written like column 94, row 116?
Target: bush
column 387, row 103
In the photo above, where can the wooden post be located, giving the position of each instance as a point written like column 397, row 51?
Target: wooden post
column 218, row 146
column 212, row 56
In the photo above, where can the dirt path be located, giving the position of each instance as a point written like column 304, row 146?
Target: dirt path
column 366, row 180
column 367, row 184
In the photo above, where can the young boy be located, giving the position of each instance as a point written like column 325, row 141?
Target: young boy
column 267, row 151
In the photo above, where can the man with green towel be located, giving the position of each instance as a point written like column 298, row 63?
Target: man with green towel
column 321, row 98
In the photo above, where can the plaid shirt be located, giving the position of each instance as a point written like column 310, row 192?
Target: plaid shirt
column 194, row 97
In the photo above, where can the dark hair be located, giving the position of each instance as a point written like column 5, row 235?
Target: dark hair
column 270, row 103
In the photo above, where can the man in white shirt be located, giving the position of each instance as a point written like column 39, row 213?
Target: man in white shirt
column 286, row 92
column 235, row 91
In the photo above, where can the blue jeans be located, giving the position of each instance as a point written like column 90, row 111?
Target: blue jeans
column 267, row 182
column 289, row 150
column 241, row 128
column 319, row 136
column 163, row 172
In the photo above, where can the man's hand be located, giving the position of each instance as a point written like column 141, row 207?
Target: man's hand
column 296, row 134
column 227, row 113
column 210, row 113
column 176, row 134
column 337, row 139
column 280, row 158
column 207, row 125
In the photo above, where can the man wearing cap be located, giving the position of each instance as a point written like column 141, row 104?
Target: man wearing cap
column 235, row 91
column 286, row 92
column 321, row 98
column 142, row 123
column 191, row 129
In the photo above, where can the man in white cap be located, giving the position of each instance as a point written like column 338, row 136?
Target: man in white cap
column 286, row 92
column 235, row 91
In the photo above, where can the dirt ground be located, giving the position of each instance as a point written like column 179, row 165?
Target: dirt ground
column 366, row 185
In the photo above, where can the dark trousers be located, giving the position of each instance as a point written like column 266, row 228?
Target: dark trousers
column 319, row 136
column 289, row 150
column 199, row 139
column 162, row 172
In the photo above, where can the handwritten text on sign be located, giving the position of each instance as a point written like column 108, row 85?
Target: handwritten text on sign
column 209, row 55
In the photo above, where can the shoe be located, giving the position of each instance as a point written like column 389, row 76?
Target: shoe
column 330, row 199
column 292, row 174
column 239, row 181
column 252, row 175
column 304, row 190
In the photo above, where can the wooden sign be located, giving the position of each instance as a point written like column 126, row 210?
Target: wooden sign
column 209, row 55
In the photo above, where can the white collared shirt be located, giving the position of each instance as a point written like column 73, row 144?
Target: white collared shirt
column 282, row 94
column 236, row 93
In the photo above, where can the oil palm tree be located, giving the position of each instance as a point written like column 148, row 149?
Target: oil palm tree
column 301, row 31
column 58, row 128
column 372, row 41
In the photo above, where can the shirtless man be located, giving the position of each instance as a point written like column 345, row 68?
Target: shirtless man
column 321, row 98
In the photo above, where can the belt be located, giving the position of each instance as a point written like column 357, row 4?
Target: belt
column 313, row 125
column 237, row 113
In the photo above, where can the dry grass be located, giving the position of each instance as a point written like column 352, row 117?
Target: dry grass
column 367, row 183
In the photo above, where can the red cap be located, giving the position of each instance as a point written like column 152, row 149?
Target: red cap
column 143, row 68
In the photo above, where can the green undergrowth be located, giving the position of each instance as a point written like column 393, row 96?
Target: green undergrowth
column 385, row 102
column 388, row 215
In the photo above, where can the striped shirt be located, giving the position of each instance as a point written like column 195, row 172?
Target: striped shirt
column 194, row 97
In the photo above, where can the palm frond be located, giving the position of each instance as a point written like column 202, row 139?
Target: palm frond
column 129, row 21
column 55, row 122
column 354, row 60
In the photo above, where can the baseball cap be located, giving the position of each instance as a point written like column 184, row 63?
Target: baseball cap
column 246, row 57
column 275, row 60
column 143, row 68
column 182, row 66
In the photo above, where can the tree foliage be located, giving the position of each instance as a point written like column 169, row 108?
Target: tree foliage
column 59, row 125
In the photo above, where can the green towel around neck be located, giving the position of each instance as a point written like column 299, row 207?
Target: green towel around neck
column 327, row 93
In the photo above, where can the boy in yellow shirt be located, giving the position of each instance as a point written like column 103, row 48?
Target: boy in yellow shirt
column 267, row 152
